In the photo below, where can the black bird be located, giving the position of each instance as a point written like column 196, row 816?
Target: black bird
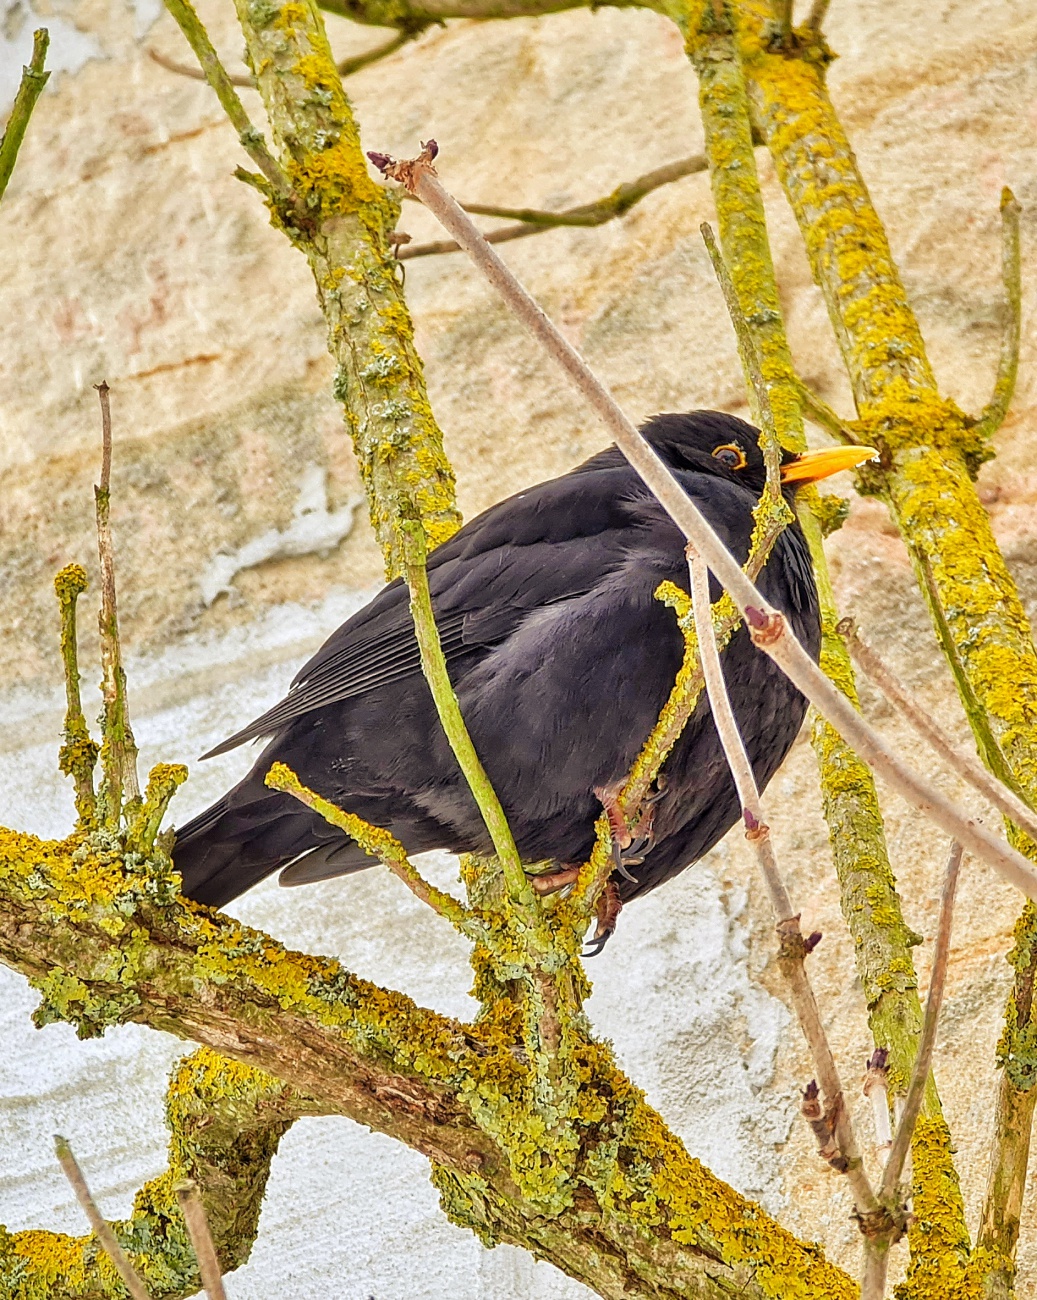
column 562, row 659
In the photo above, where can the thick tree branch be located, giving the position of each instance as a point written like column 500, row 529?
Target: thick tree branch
column 107, row 943
column 225, row 1122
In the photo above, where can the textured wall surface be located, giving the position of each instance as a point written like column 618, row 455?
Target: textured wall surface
column 130, row 253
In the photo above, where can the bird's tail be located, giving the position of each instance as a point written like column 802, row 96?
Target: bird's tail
column 251, row 832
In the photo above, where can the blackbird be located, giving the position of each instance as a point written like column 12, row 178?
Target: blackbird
column 561, row 657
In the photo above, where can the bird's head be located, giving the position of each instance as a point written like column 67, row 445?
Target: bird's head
column 713, row 442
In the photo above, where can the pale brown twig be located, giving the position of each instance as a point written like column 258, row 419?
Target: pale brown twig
column 817, row 409
column 927, row 1041
column 767, row 627
column 832, row 1125
column 533, row 221
column 875, row 668
column 193, row 1210
column 100, row 1226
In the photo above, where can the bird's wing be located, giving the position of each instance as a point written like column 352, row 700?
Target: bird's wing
column 540, row 547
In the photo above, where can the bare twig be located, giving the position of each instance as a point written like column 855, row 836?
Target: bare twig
column 29, row 90
column 837, row 1142
column 996, row 409
column 193, row 1210
column 346, row 67
column 533, row 221
column 875, row 667
column 767, row 627
column 916, row 1089
column 384, row 846
column 118, row 748
column 434, row 667
column 98, row 1223
column 216, row 75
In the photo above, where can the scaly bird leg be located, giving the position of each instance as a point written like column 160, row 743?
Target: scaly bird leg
column 609, row 907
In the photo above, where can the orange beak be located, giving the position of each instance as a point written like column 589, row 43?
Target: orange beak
column 814, row 465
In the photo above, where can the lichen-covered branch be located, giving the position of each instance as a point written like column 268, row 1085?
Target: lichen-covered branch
column 342, row 221
column 993, row 1263
column 118, row 752
column 107, row 941
column 29, row 90
column 78, row 755
column 225, row 1121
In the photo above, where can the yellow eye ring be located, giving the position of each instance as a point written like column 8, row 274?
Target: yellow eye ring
column 730, row 455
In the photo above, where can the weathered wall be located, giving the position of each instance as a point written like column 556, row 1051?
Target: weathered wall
column 130, row 253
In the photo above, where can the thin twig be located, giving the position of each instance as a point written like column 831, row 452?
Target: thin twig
column 835, row 1118
column 118, row 747
column 534, row 221
column 434, row 667
column 996, row 409
column 817, row 15
column 193, row 1210
column 78, row 755
column 767, row 627
column 217, row 76
column 927, row 1041
column 100, row 1226
column 29, row 90
column 875, row 668
column 384, row 846
column 783, row 9
column 346, row 67
column 817, row 409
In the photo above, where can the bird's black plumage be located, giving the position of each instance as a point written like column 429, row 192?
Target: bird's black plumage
column 562, row 659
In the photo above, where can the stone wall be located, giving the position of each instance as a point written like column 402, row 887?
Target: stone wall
column 130, row 253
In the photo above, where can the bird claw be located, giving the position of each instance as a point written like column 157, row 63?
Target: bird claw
column 620, row 863
column 609, row 907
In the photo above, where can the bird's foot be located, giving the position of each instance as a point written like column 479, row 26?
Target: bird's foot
column 630, row 842
column 609, row 907
column 550, row 882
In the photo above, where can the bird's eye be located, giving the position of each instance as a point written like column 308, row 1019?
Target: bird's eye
column 731, row 456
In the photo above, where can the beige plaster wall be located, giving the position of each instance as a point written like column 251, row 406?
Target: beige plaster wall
column 130, row 253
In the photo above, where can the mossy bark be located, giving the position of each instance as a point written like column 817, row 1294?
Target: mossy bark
column 106, row 940
column 341, row 220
